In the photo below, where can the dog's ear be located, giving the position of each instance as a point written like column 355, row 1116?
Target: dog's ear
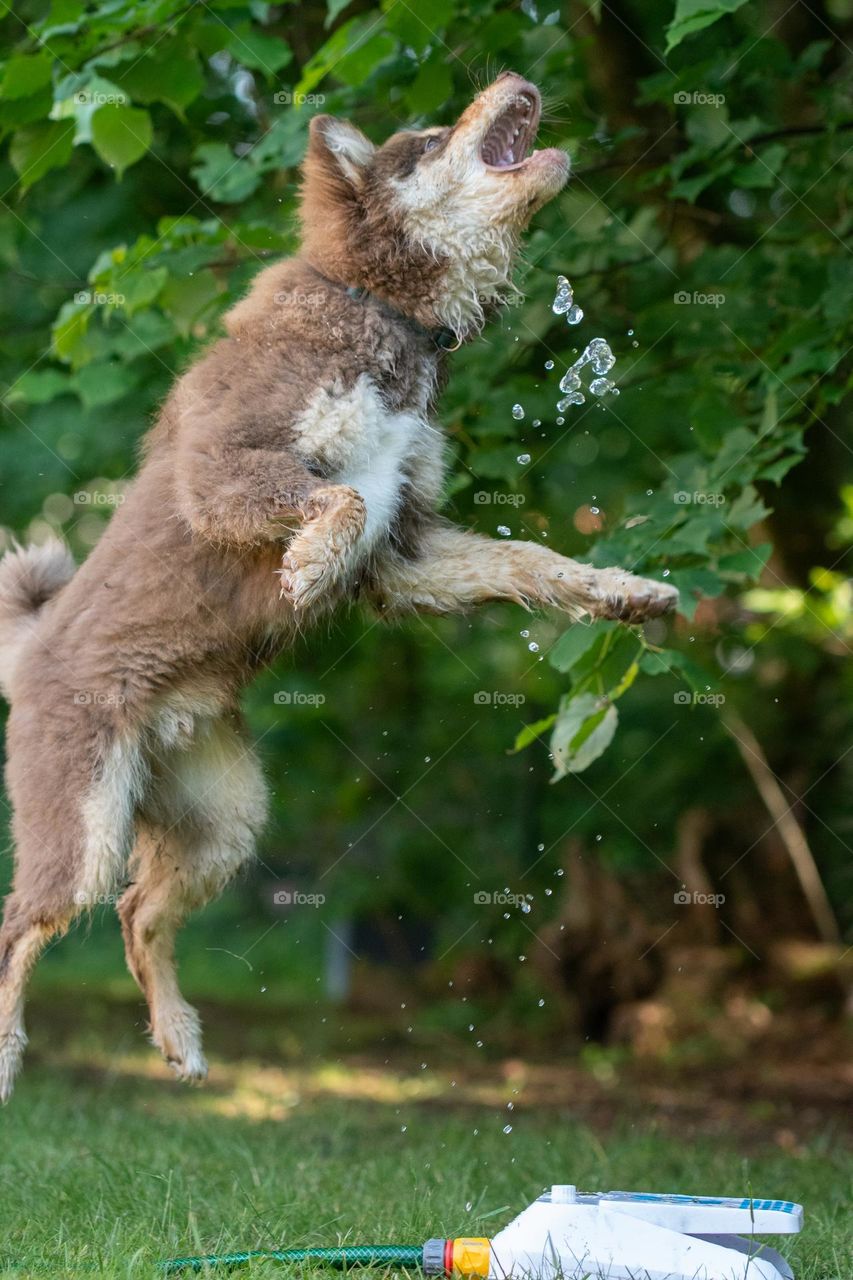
column 339, row 149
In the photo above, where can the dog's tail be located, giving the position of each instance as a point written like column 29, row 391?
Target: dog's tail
column 29, row 577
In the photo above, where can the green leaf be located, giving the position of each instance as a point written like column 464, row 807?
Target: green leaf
column 257, row 50
column 334, row 8
column 40, row 147
column 121, row 135
column 431, row 87
column 575, row 642
column 221, row 175
column 748, row 563
column 171, row 75
column 352, row 51
column 531, row 732
column 39, row 386
column 25, row 75
column 139, row 288
column 694, row 15
column 693, row 583
column 103, row 383
column 584, row 730
column 185, row 300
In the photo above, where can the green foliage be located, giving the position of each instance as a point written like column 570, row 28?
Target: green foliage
column 149, row 166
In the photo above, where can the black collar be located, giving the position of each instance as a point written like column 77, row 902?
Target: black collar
column 445, row 339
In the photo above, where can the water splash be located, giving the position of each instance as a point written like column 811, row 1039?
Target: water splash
column 564, row 302
column 600, row 358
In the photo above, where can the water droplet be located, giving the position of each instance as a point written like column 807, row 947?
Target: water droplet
column 507, row 1128
column 526, row 908
column 524, row 634
column 564, row 297
column 537, row 422
column 574, row 315
column 505, row 531
column 549, row 364
column 517, row 411
column 560, row 421
column 523, row 458
column 533, row 647
column 541, row 1003
column 666, row 573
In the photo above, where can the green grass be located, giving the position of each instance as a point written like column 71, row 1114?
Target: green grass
column 107, row 1165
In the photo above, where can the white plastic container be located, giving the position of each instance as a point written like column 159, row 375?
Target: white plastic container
column 619, row 1235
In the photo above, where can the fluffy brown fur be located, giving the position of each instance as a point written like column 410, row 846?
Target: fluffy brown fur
column 294, row 466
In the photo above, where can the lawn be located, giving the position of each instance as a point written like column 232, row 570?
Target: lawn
column 314, row 1131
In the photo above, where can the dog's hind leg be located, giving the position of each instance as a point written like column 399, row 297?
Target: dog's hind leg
column 22, row 937
column 199, row 824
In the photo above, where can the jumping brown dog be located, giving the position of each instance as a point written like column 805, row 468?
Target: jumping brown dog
column 294, row 466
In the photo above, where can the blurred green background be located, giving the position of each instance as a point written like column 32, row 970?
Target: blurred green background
column 149, row 170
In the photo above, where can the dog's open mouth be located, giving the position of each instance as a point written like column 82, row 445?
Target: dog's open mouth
column 509, row 138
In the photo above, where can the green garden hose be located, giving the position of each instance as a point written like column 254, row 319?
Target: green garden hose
column 365, row 1255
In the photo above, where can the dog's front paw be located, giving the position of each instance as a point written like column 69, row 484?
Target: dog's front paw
column 319, row 557
column 627, row 598
column 303, row 581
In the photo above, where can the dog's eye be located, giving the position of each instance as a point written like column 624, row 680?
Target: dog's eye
column 430, row 144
